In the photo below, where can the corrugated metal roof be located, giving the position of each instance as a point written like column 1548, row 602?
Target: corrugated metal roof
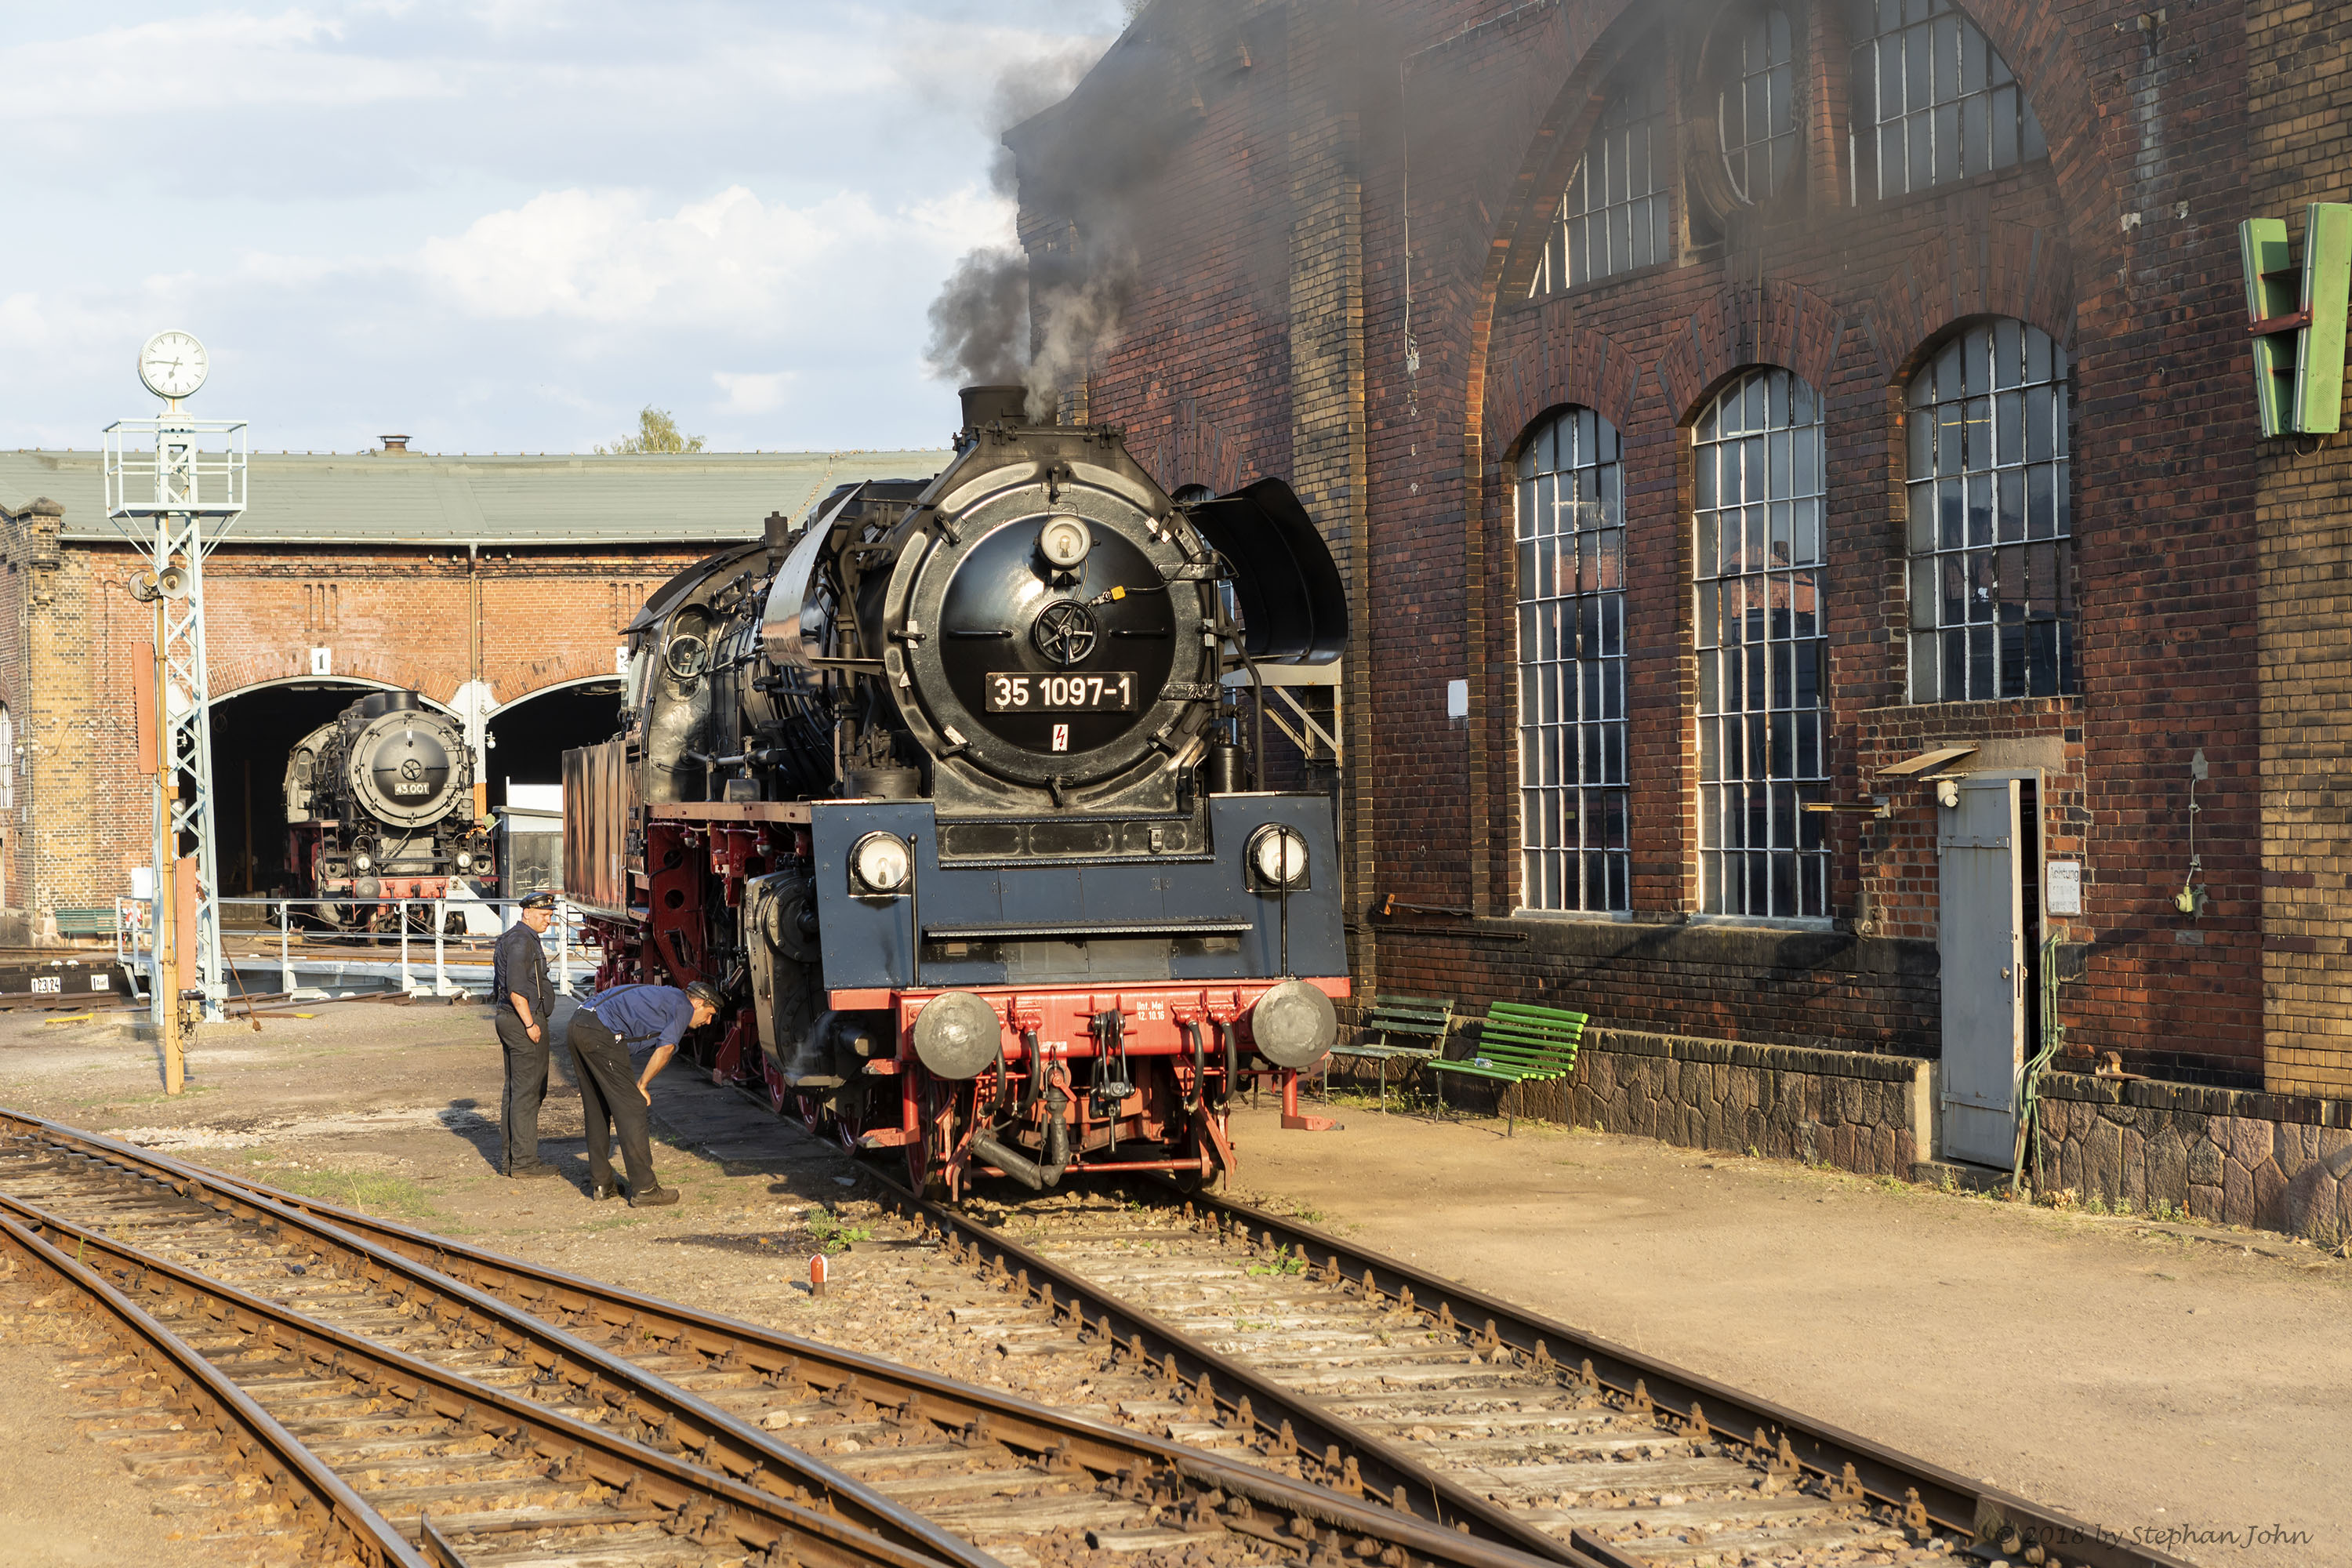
column 416, row 498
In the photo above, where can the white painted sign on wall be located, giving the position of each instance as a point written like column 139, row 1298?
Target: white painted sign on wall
column 2065, row 893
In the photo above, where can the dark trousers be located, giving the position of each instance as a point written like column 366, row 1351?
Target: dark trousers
column 526, row 1087
column 608, row 1093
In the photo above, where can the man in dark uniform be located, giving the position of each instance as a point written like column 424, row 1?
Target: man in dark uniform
column 526, row 1006
column 620, row 1039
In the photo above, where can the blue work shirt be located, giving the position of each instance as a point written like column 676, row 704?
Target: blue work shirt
column 644, row 1016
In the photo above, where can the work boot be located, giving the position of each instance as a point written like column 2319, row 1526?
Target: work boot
column 535, row 1168
column 599, row 1191
column 653, row 1197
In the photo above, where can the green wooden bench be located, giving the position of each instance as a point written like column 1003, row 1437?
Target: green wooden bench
column 1517, row 1044
column 93, row 920
column 1423, row 1023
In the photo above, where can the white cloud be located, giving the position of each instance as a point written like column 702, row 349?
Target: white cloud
column 752, row 392
column 197, row 65
column 603, row 257
column 506, row 225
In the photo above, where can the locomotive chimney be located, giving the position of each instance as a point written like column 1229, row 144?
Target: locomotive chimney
column 395, row 444
column 987, row 404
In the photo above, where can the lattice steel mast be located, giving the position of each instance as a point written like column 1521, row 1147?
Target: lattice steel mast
column 173, row 486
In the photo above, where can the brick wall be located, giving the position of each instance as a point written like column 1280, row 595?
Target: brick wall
column 432, row 620
column 2121, row 244
column 2293, row 52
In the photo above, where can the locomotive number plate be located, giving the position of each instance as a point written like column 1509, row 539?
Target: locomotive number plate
column 1111, row 692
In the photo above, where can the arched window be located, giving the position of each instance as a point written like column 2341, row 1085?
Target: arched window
column 1931, row 101
column 1756, row 111
column 1613, row 216
column 1992, row 568
column 1763, row 654
column 1571, row 537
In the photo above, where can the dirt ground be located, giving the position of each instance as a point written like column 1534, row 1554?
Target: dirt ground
column 2191, row 1387
column 62, row 1503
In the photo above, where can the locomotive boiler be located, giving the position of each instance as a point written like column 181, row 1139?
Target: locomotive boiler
column 380, row 806
column 947, row 789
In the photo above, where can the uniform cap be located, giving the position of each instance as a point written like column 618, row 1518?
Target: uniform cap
column 539, row 901
column 703, row 991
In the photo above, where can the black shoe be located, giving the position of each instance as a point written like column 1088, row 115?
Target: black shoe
column 653, row 1197
column 536, row 1168
column 599, row 1191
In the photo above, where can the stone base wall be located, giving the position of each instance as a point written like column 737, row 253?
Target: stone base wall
column 2225, row 1156
column 2229, row 1156
column 1860, row 1113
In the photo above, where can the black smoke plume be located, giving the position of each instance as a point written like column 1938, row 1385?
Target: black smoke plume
column 1091, row 142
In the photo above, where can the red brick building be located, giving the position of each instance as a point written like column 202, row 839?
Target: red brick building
column 495, row 586
column 1733, row 400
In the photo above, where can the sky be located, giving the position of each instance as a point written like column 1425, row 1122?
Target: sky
column 508, row 225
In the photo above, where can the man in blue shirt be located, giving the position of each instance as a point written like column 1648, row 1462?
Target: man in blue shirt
column 621, row 1038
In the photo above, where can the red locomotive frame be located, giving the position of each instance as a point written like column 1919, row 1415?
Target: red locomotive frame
column 1196, row 1033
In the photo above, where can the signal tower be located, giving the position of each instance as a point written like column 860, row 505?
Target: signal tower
column 174, row 486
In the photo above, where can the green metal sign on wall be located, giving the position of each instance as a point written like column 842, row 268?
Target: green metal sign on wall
column 2295, row 317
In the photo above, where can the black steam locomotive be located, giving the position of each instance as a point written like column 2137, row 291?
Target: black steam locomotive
column 946, row 788
column 380, row 806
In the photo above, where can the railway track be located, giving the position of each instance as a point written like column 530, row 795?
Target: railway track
column 1623, row 1458
column 1025, row 1483
column 1271, row 1341
column 181, row 1225
column 244, row 1489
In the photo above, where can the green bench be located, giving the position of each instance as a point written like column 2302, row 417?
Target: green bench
column 1421, row 1022
column 93, row 920
column 1517, row 1044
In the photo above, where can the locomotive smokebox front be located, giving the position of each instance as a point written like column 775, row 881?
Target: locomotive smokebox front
column 402, row 766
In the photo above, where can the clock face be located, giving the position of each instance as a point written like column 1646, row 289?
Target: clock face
column 172, row 364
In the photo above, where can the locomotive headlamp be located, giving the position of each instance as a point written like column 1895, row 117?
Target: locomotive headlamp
column 465, row 861
column 1277, row 856
column 361, row 862
column 1064, row 542
column 878, row 863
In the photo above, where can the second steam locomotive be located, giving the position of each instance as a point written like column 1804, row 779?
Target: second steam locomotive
column 947, row 790
column 380, row 807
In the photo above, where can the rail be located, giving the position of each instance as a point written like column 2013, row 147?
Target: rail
column 312, row 1493
column 1951, row 1500
column 729, row 1446
column 755, row 1519
column 846, row 1377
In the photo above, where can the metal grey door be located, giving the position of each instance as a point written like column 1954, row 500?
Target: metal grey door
column 1981, row 932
